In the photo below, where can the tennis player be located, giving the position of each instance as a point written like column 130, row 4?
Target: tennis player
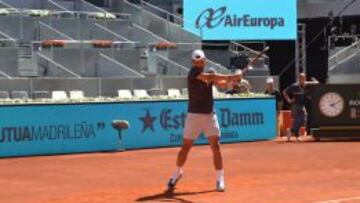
column 201, row 117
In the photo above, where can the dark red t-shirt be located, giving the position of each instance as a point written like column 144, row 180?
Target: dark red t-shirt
column 200, row 94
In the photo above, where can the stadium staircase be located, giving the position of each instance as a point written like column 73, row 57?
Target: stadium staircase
column 343, row 60
column 72, row 44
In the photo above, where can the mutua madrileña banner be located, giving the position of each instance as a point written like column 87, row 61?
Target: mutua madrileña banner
column 241, row 19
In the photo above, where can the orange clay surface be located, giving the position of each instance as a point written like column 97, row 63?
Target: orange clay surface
column 266, row 172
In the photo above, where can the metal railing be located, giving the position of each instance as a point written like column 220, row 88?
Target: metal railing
column 344, row 55
column 166, row 66
column 7, row 5
column 7, row 36
column 5, row 75
column 95, row 8
column 150, row 33
column 57, row 5
column 55, row 30
column 58, row 65
column 238, row 48
column 122, row 65
column 111, row 32
column 178, row 20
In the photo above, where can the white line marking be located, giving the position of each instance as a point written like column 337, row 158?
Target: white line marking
column 340, row 200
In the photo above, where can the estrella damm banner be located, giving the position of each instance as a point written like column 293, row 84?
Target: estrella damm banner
column 241, row 19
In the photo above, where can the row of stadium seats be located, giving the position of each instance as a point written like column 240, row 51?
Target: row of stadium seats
column 78, row 94
column 55, row 95
column 139, row 93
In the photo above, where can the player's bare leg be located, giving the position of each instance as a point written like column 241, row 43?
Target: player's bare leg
column 218, row 164
column 183, row 153
column 180, row 162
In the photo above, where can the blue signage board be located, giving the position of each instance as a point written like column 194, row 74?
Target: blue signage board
column 70, row 128
column 241, row 19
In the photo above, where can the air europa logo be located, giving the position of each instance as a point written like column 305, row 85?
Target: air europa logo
column 212, row 18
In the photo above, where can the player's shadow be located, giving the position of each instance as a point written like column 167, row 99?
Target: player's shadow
column 171, row 196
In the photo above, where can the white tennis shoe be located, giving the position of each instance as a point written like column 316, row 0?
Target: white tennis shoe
column 220, row 185
column 174, row 179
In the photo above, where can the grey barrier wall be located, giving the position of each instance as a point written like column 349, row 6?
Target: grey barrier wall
column 108, row 67
column 322, row 9
column 183, row 57
column 15, row 85
column 166, row 67
column 109, row 87
column 155, row 24
column 46, row 68
column 344, row 79
column 9, row 61
column 128, row 57
column 349, row 66
column 28, row 4
column 10, row 25
column 174, row 82
column 94, row 87
column 88, row 62
column 89, row 86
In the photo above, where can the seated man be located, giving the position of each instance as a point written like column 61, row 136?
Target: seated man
column 240, row 86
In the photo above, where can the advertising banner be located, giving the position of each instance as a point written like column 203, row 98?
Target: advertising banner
column 70, row 128
column 241, row 19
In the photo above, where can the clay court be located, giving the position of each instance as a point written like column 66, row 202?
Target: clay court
column 269, row 171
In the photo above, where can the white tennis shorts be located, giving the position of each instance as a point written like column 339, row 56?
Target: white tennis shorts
column 196, row 124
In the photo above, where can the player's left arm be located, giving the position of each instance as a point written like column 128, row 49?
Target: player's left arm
column 217, row 78
column 222, row 84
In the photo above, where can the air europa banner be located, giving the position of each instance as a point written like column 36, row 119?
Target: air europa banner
column 241, row 19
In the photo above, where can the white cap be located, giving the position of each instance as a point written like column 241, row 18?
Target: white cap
column 211, row 70
column 269, row 80
column 238, row 72
column 198, row 54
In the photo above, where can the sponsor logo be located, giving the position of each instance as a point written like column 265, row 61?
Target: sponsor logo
column 170, row 120
column 354, row 102
column 235, row 119
column 354, row 108
column 148, row 121
column 213, row 18
column 81, row 130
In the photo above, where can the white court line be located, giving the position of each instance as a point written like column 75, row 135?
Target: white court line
column 340, row 200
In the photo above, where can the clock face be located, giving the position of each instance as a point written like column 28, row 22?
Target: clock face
column 331, row 104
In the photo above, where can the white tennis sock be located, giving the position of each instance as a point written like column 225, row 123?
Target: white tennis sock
column 220, row 175
column 177, row 173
